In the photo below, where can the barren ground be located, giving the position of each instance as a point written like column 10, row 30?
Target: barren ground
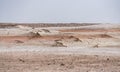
column 60, row 48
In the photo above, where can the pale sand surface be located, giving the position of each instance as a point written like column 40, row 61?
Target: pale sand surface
column 89, row 48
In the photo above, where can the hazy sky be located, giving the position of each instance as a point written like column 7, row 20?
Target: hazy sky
column 103, row 11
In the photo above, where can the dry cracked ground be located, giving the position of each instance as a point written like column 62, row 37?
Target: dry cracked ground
column 59, row 47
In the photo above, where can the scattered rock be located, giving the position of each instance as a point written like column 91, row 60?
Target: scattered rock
column 71, row 37
column 62, row 64
column 108, row 59
column 48, row 64
column 77, row 39
column 45, row 30
column 34, row 35
column 96, row 46
column 58, row 44
column 58, row 40
column 18, row 41
column 21, row 60
column 105, row 36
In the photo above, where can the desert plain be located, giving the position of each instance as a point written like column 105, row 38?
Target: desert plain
column 62, row 47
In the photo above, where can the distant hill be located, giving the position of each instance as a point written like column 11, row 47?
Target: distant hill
column 9, row 25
